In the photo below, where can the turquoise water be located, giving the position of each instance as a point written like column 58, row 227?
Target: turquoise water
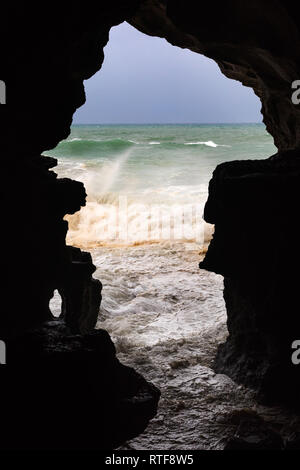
column 165, row 151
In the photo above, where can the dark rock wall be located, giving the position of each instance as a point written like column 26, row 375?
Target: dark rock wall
column 256, row 248
column 70, row 392
column 62, row 386
column 46, row 53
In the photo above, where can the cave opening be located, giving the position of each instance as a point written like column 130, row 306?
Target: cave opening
column 146, row 175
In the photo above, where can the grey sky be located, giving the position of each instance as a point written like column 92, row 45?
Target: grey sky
column 146, row 80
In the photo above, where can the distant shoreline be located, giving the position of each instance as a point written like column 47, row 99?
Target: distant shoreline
column 169, row 124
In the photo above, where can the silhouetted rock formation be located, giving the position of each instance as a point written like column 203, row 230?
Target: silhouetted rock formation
column 252, row 204
column 62, row 386
column 46, row 54
column 81, row 294
column 82, row 398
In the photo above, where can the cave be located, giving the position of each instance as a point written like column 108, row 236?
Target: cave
column 56, row 371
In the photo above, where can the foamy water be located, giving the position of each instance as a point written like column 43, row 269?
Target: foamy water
column 147, row 187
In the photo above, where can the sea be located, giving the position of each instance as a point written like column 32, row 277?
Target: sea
column 146, row 190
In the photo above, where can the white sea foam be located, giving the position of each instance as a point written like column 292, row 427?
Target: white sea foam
column 109, row 219
column 208, row 143
column 74, row 139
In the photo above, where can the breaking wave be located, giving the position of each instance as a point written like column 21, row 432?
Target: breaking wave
column 209, row 143
column 76, row 147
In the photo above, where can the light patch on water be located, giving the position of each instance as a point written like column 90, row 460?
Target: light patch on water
column 56, row 304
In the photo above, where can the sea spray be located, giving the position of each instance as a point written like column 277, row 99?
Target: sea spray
column 103, row 177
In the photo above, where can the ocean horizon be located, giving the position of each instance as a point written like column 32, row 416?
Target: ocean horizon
column 164, row 123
